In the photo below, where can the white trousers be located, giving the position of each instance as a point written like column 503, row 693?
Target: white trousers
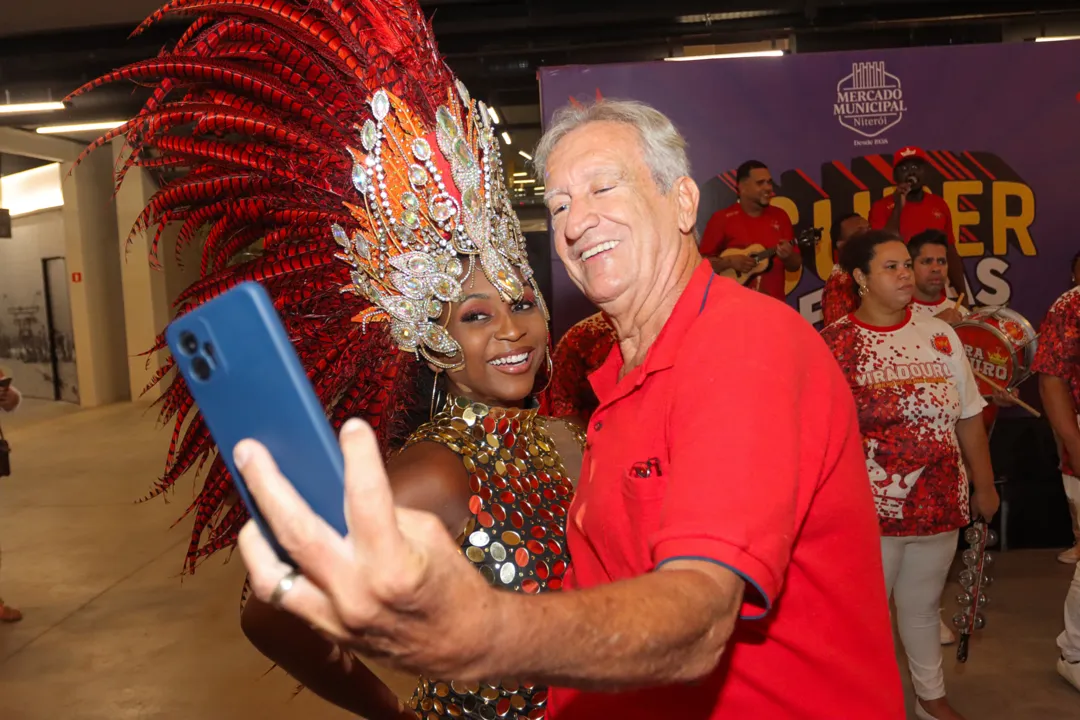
column 1069, row 640
column 1072, row 492
column 916, row 569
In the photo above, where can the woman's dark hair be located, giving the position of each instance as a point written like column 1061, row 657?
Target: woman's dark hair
column 860, row 250
column 834, row 231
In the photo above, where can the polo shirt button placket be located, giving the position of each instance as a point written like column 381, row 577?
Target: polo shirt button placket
column 597, row 425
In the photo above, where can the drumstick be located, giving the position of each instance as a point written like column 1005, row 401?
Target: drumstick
column 1028, row 342
column 1017, row 400
column 958, row 301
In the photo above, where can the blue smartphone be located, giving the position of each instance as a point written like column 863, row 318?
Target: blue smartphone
column 247, row 381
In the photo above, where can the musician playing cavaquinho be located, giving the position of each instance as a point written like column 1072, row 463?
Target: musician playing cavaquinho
column 752, row 220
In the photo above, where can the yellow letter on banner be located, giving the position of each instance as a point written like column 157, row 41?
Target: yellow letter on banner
column 1020, row 224
column 952, row 191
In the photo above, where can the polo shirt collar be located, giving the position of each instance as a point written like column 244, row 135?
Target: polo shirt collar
column 664, row 350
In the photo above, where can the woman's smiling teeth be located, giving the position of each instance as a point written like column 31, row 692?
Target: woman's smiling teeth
column 602, row 247
column 518, row 359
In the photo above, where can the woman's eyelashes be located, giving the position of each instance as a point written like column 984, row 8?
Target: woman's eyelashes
column 472, row 315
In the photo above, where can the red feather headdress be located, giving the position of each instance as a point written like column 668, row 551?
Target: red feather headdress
column 331, row 136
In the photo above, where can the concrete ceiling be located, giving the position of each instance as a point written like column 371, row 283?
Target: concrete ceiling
column 19, row 17
column 496, row 46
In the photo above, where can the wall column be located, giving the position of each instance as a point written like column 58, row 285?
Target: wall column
column 146, row 298
column 97, row 301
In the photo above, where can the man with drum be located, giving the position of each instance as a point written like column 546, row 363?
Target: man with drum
column 929, row 255
column 930, row 264
column 1058, row 363
column 930, row 258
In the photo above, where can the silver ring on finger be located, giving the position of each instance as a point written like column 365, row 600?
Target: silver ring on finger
column 283, row 586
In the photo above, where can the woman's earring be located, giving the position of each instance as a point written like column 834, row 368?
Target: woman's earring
column 550, row 372
column 862, row 291
column 434, row 392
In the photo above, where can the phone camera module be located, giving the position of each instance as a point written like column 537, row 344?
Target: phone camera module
column 200, row 367
column 189, row 343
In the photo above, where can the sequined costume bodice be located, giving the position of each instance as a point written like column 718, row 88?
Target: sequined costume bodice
column 514, row 537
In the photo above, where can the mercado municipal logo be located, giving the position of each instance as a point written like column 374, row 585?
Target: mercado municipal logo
column 869, row 101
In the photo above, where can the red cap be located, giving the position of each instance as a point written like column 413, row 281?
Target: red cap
column 908, row 153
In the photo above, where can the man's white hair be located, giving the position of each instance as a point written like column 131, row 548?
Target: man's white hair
column 662, row 145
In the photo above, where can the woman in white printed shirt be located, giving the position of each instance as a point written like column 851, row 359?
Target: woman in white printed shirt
column 920, row 417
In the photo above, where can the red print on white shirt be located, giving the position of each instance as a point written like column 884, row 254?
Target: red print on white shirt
column 912, row 383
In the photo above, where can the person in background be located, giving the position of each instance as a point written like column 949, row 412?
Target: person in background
column 1071, row 484
column 838, row 298
column 920, row 417
column 581, row 350
column 911, row 209
column 10, row 397
column 680, row 553
column 752, row 220
column 1057, row 361
column 928, row 252
column 930, row 257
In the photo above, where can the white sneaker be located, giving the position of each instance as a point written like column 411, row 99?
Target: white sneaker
column 1070, row 671
column 1070, row 556
column 948, row 637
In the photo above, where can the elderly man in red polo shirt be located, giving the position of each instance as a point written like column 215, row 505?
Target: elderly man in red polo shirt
column 910, row 209
column 725, row 547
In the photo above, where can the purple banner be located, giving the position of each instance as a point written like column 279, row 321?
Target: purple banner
column 1001, row 124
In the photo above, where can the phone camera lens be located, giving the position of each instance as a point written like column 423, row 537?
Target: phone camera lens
column 189, row 343
column 200, row 367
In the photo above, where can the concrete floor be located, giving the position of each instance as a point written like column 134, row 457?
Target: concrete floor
column 111, row 633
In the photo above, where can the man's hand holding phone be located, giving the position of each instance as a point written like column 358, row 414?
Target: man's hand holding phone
column 396, row 588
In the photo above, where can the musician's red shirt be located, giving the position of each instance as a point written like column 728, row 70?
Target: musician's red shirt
column 732, row 228
column 930, row 213
column 736, row 442
column 838, row 298
column 1058, row 353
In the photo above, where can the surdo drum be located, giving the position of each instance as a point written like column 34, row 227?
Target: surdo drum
column 1000, row 343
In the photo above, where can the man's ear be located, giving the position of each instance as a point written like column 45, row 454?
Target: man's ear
column 687, row 196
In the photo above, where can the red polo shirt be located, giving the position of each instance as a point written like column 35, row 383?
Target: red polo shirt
column 737, row 442
column 732, row 228
column 930, row 213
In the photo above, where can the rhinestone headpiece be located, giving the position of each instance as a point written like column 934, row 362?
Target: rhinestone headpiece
column 426, row 198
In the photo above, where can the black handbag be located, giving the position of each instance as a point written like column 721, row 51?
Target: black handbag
column 5, row 455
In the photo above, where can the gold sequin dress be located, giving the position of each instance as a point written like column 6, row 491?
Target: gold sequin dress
column 520, row 497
